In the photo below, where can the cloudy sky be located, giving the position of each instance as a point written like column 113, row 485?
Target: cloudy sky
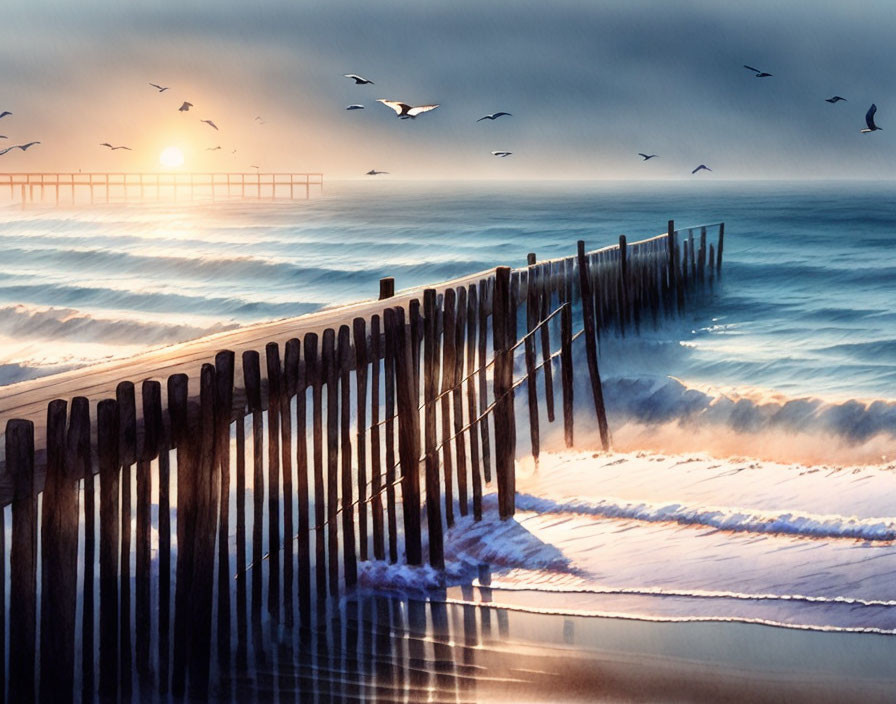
column 590, row 83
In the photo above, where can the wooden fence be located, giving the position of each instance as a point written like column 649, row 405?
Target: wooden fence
column 180, row 521
column 64, row 188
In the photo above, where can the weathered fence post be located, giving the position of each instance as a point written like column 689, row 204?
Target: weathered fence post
column 290, row 367
column 433, row 486
column 127, row 454
column 107, row 451
column 314, row 372
column 349, row 556
column 330, row 367
column 566, row 371
column 152, row 433
column 591, row 346
column 448, row 365
column 79, row 456
column 359, row 330
column 482, row 352
column 387, row 287
column 252, row 383
column 719, row 249
column 272, row 355
column 505, row 446
column 622, row 290
column 544, row 294
column 472, row 413
column 224, row 364
column 460, row 445
column 532, row 312
column 376, row 485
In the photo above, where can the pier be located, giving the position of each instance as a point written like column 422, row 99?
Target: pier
column 280, row 457
column 119, row 187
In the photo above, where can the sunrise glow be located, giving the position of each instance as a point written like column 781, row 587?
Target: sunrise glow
column 171, row 157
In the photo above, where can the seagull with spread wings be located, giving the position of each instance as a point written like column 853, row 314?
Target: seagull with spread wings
column 702, row 167
column 759, row 74
column 106, row 144
column 501, row 153
column 494, row 116
column 869, row 120
column 835, row 99
column 186, row 106
column 210, row 123
column 646, row 157
column 5, row 113
column 159, row 88
column 359, row 80
column 23, row 147
column 405, row 111
column 355, row 107
column 374, row 172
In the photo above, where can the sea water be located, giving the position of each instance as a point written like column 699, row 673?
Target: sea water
column 754, row 435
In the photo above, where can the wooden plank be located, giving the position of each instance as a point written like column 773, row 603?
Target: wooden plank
column 252, row 383
column 302, row 492
column 448, row 367
column 330, row 367
column 376, row 484
column 107, row 451
column 167, row 441
column 272, row 355
column 623, row 276
column 720, row 245
column 224, row 373
column 503, row 388
column 59, row 564
column 430, row 386
column 566, row 371
column 127, row 454
column 408, row 434
column 533, row 309
column 483, row 311
column 472, row 412
column 290, row 370
column 460, row 444
column 345, row 354
column 241, row 566
column 151, row 393
column 359, row 329
column 389, row 383
column 591, row 348
column 314, row 374
column 79, row 458
column 544, row 298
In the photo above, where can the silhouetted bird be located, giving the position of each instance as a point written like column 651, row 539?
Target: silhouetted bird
column 494, row 116
column 186, row 106
column 835, row 99
column 501, row 153
column 259, row 120
column 869, row 119
column 359, row 80
column 213, row 149
column 405, row 111
column 5, row 113
column 23, row 147
column 355, row 107
column 106, row 144
column 702, row 167
column 374, row 172
column 647, row 156
column 210, row 123
column 759, row 74
column 158, row 87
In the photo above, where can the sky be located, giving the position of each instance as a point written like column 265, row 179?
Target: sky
column 589, row 84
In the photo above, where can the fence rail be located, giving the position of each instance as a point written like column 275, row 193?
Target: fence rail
column 184, row 530
column 64, row 188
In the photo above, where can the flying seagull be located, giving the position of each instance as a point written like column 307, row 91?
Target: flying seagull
column 759, row 74
column 5, row 113
column 835, row 99
column 23, row 147
column 186, row 106
column 158, row 87
column 501, row 153
column 702, row 167
column 405, row 111
column 210, row 123
column 355, row 107
column 359, row 80
column 213, row 149
column 646, row 156
column 494, row 116
column 106, row 144
column 869, row 119
column 374, row 172
column 259, row 120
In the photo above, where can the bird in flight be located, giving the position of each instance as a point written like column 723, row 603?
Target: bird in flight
column 501, row 153
column 355, row 107
column 186, row 106
column 213, row 149
column 5, row 113
column 759, row 74
column 259, row 120
column 374, row 172
column 2, row 136
column 23, row 147
column 106, row 144
column 494, row 116
column 210, row 123
column 869, row 119
column 359, row 80
column 405, row 111
column 702, row 167
column 835, row 99
column 646, row 156
column 159, row 88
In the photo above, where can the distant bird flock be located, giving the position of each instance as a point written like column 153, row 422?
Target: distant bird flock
column 408, row 111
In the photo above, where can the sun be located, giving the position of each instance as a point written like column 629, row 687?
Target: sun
column 171, row 157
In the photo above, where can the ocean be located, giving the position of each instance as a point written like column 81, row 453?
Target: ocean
column 754, row 437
